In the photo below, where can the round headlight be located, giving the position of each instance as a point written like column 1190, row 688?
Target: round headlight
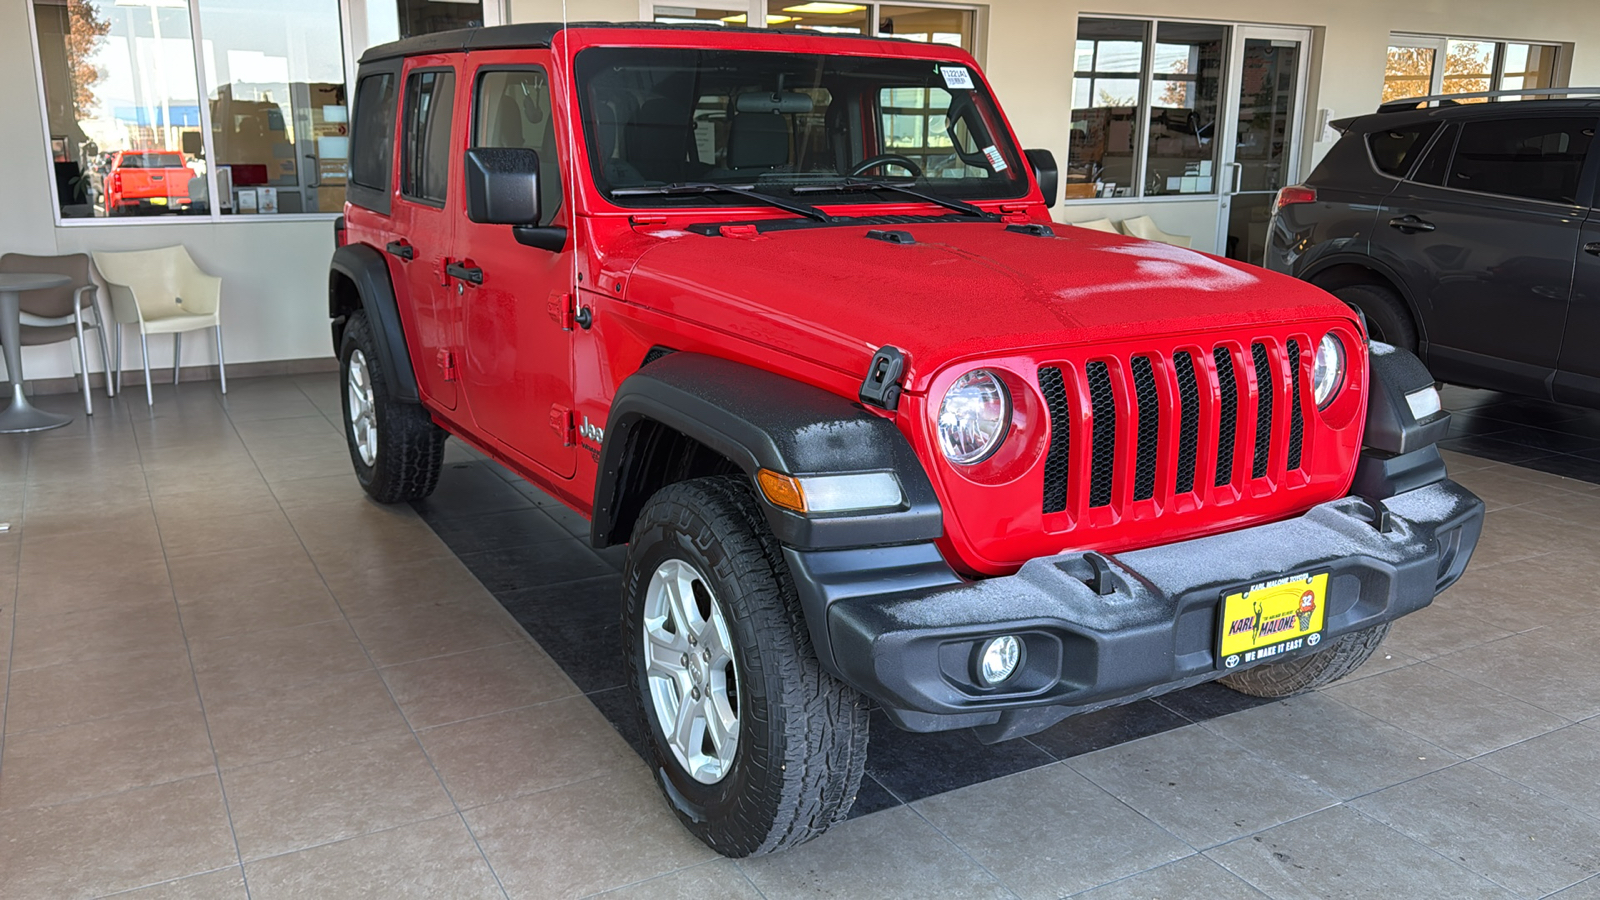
column 1327, row 369
column 973, row 417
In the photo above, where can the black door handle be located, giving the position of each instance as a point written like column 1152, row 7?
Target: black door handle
column 400, row 249
column 1410, row 224
column 464, row 272
column 1592, row 248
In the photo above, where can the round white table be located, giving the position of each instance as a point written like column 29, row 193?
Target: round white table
column 22, row 415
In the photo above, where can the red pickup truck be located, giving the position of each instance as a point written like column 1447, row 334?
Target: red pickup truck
column 142, row 180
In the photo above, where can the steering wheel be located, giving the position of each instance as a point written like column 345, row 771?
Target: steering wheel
column 872, row 162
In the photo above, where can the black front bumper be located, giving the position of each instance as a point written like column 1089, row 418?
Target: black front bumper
column 1101, row 631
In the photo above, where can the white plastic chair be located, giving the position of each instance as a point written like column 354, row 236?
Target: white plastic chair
column 163, row 292
column 1145, row 227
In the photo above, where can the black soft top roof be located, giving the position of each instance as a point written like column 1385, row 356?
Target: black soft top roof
column 536, row 35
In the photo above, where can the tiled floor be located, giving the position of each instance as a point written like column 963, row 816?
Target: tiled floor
column 226, row 674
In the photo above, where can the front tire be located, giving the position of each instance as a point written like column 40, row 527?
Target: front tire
column 396, row 449
column 756, row 747
column 1388, row 320
column 1343, row 655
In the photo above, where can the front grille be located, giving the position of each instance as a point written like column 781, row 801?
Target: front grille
column 1104, row 405
column 1173, row 399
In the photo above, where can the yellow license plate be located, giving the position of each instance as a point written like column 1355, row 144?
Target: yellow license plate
column 1272, row 618
column 158, row 201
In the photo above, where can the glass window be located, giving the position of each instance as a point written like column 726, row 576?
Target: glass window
column 1108, row 73
column 1395, row 150
column 513, row 110
column 122, row 106
column 1185, row 102
column 1539, row 158
column 373, row 153
column 932, row 25
column 1528, row 66
column 430, row 105
column 1437, row 161
column 279, row 116
column 689, row 15
column 1468, row 67
column 1408, row 73
column 829, row 18
column 779, row 122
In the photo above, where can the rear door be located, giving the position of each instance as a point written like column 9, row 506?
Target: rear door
column 518, row 362
column 423, row 215
column 1485, row 237
column 1579, row 378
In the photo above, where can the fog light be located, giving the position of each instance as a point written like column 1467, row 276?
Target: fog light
column 997, row 660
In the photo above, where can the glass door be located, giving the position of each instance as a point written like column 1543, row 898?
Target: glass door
column 1265, row 111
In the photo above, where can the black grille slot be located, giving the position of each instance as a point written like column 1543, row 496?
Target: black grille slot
column 1054, row 388
column 1104, row 438
column 1144, row 389
column 1228, row 419
column 1264, row 387
column 1188, row 421
column 1297, row 424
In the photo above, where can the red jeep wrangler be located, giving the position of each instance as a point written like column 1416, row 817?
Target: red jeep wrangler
column 785, row 314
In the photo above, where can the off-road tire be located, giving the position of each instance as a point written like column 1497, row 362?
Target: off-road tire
column 1388, row 320
column 1344, row 655
column 802, row 743
column 410, row 448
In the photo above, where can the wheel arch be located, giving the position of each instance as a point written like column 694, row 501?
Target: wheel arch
column 1344, row 271
column 688, row 414
column 358, row 279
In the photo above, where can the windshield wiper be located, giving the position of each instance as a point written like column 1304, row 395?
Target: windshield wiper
column 743, row 190
column 959, row 206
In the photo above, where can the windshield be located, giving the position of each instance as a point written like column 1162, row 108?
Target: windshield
column 777, row 122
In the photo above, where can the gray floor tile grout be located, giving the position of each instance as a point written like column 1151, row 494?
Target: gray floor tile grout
column 127, row 891
column 416, row 738
column 963, row 850
column 1458, row 863
column 205, row 718
column 16, row 595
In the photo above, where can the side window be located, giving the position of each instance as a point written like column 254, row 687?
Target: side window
column 425, row 159
column 512, row 109
column 1396, row 150
column 372, row 148
column 1534, row 157
column 918, row 122
column 1437, row 161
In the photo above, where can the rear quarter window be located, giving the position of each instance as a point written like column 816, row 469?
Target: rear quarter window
column 373, row 153
column 1534, row 157
column 1395, row 150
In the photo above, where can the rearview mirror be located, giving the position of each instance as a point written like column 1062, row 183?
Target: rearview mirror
column 503, row 186
column 775, row 102
column 1045, row 172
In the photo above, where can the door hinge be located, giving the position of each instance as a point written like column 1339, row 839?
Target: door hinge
column 561, row 424
column 447, row 364
column 561, row 311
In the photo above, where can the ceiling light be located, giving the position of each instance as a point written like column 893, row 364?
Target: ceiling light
column 741, row 18
column 826, row 9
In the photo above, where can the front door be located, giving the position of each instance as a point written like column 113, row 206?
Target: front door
column 518, row 362
column 1266, row 103
column 1485, row 234
column 1579, row 378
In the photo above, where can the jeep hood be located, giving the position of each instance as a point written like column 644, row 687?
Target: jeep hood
column 833, row 295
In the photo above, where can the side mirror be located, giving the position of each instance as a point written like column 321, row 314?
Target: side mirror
column 503, row 185
column 1045, row 172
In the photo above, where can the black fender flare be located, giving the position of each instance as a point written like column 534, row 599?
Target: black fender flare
column 366, row 268
column 759, row 419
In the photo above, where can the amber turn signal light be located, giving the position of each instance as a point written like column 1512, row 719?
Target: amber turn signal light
column 782, row 491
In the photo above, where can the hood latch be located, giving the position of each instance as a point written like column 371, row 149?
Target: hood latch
column 882, row 385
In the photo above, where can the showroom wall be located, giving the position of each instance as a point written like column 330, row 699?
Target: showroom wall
column 275, row 269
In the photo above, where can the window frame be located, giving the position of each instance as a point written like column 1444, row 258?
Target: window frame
column 203, row 85
column 372, row 198
column 1440, row 44
column 473, row 109
column 404, row 156
column 1147, row 77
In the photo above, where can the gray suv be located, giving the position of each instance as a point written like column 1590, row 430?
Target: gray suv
column 1466, row 232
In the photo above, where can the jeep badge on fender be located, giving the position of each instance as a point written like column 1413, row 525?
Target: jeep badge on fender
column 873, row 430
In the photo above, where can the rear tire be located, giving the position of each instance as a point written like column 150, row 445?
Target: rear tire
column 396, row 449
column 1388, row 320
column 775, row 746
column 1344, row 655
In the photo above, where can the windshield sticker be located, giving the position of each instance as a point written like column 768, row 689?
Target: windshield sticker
column 996, row 161
column 956, row 78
